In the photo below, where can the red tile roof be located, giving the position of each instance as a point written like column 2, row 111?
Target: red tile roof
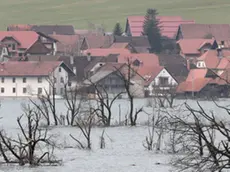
column 150, row 73
column 106, row 51
column 192, row 46
column 66, row 42
column 224, row 63
column 169, row 25
column 193, row 86
column 218, row 31
column 25, row 38
column 147, row 60
column 13, row 68
column 211, row 58
column 66, row 39
column 196, row 74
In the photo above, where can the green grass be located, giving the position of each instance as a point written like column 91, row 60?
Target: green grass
column 107, row 12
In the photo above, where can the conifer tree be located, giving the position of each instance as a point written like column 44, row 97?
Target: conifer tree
column 117, row 29
column 152, row 30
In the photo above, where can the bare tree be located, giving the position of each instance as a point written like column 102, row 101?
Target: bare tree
column 105, row 103
column 73, row 102
column 126, row 76
column 155, row 127
column 85, row 121
column 206, row 153
column 47, row 102
column 26, row 146
column 165, row 95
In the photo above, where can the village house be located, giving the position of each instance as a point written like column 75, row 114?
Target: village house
column 191, row 49
column 213, row 59
column 168, row 24
column 110, row 77
column 157, row 80
column 68, row 44
column 136, row 44
column 20, row 43
column 45, row 29
column 28, row 79
column 200, row 81
column 219, row 32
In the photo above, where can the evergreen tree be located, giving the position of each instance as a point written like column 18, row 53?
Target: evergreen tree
column 152, row 31
column 117, row 29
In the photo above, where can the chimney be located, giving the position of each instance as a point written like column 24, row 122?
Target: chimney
column 71, row 60
column 88, row 56
column 75, row 70
column 188, row 65
column 219, row 51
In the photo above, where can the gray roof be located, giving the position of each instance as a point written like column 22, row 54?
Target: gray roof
column 98, row 76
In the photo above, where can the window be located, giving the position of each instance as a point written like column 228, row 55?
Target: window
column 62, row 80
column 9, row 45
column 3, row 79
column 13, row 46
column 163, row 80
column 59, row 69
column 39, row 90
column 14, row 90
column 69, row 84
column 24, row 90
column 24, row 80
column 20, row 54
column 39, row 79
column 55, row 80
column 2, row 90
column 13, row 80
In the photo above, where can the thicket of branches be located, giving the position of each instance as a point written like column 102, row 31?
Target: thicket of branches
column 33, row 145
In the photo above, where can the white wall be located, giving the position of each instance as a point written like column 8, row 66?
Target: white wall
column 32, row 84
column 155, row 82
column 200, row 64
column 58, row 75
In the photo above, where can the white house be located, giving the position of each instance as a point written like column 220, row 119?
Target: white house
column 27, row 78
column 157, row 79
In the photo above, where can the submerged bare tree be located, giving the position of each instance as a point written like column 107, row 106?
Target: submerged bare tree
column 105, row 103
column 29, row 145
column 47, row 103
column 84, row 122
column 126, row 75
column 73, row 102
column 165, row 95
column 204, row 151
column 156, row 126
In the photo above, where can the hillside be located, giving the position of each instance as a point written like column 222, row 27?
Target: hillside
column 107, row 12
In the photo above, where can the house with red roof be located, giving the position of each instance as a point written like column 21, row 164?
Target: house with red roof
column 191, row 49
column 21, row 42
column 157, row 80
column 28, row 79
column 213, row 59
column 169, row 25
column 203, row 82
